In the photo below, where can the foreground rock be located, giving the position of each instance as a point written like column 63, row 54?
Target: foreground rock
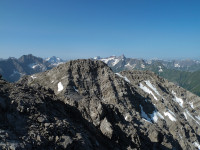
column 33, row 118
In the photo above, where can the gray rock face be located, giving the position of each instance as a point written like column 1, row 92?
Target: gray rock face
column 84, row 105
column 106, row 128
column 35, row 118
column 12, row 69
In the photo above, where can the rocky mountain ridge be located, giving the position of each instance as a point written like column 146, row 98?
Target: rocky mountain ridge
column 13, row 69
column 122, row 63
column 133, row 109
column 185, row 73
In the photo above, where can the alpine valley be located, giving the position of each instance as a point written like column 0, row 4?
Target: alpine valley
column 85, row 105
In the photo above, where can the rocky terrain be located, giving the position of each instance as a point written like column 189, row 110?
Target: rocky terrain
column 13, row 69
column 123, row 63
column 185, row 73
column 83, row 104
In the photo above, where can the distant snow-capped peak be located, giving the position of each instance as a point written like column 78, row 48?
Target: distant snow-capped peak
column 112, row 60
column 55, row 60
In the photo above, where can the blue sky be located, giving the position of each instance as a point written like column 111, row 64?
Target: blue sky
column 87, row 28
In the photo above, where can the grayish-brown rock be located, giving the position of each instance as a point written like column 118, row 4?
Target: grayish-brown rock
column 84, row 105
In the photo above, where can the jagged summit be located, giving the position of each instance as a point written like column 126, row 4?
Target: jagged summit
column 29, row 57
column 55, row 61
column 13, row 69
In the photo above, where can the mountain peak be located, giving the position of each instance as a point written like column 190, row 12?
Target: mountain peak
column 129, row 103
column 122, row 56
column 55, row 61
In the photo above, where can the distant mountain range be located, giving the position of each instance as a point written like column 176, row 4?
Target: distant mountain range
column 185, row 73
column 12, row 68
column 123, row 63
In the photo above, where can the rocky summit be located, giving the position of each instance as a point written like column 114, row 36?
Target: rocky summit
column 83, row 104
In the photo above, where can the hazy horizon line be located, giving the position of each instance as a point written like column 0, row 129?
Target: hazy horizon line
column 89, row 57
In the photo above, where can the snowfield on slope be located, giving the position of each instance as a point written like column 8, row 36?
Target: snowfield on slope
column 177, row 99
column 60, row 87
column 147, row 90
column 125, row 78
column 152, row 87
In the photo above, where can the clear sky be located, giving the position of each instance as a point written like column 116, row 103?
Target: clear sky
column 87, row 28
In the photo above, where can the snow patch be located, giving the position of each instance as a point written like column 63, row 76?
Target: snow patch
column 33, row 77
column 170, row 115
column 177, row 65
column 196, row 144
column 191, row 104
column 75, row 89
column 187, row 112
column 125, row 78
column 34, row 66
column 185, row 115
column 60, row 87
column 160, row 69
column 198, row 117
column 142, row 66
column 48, row 59
column 178, row 100
column 128, row 65
column 55, row 61
column 147, row 90
column 115, row 62
column 152, row 87
column 56, row 64
column 144, row 115
column 171, row 112
column 106, row 60
column 155, row 115
column 97, row 58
